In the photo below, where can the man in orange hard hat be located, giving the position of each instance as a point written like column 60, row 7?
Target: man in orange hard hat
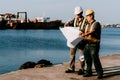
column 92, row 35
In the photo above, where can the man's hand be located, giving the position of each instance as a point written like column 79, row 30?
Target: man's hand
column 81, row 33
column 65, row 25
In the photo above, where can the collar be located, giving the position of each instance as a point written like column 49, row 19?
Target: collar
column 92, row 22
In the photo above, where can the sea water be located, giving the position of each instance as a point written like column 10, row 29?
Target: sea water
column 20, row 46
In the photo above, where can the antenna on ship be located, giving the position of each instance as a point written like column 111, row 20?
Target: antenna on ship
column 43, row 15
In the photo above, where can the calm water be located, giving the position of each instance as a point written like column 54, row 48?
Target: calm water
column 19, row 46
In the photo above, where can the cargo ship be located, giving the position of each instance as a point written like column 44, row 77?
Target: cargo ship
column 12, row 21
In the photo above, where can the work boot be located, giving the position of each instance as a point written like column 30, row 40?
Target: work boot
column 80, row 72
column 100, row 76
column 69, row 71
column 87, row 74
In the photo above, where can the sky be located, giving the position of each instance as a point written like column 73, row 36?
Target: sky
column 106, row 11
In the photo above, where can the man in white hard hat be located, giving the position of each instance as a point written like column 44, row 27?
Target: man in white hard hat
column 92, row 36
column 78, row 21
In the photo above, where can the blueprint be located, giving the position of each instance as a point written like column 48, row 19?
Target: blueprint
column 72, row 36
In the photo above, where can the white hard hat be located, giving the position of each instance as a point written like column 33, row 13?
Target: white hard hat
column 78, row 10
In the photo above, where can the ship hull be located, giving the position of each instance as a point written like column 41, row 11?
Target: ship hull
column 32, row 25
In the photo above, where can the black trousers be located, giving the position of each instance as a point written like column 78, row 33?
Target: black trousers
column 91, row 56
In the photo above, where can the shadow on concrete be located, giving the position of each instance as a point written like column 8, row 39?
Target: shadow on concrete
column 110, row 71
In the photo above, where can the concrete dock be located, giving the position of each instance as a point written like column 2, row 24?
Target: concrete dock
column 111, row 67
